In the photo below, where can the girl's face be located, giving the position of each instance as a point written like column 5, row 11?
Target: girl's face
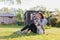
column 36, row 15
column 39, row 16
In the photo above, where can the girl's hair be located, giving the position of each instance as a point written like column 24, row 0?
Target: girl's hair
column 41, row 15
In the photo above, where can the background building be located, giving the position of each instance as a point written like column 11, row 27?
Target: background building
column 7, row 18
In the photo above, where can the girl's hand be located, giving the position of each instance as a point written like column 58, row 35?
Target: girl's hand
column 36, row 24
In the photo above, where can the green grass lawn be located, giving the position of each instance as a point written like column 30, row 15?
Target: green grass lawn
column 7, row 33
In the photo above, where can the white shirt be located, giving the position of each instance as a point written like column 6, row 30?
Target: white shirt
column 41, row 23
column 44, row 22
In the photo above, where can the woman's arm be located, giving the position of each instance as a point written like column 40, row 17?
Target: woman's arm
column 43, row 29
column 43, row 23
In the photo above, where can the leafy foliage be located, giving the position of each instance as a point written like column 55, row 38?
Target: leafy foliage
column 18, row 1
column 53, row 21
column 12, row 1
column 18, row 15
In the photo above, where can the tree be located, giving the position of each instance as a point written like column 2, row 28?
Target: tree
column 41, row 8
column 57, row 11
column 6, row 9
column 19, row 14
column 18, row 1
column 12, row 1
column 1, row 0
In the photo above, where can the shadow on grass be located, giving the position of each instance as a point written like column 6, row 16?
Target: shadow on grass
column 14, row 35
column 11, row 26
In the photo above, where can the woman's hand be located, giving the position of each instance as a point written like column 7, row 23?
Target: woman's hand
column 43, row 29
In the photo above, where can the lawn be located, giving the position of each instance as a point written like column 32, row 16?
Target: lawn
column 7, row 33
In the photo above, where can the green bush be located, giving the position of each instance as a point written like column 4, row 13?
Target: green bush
column 53, row 21
column 58, row 24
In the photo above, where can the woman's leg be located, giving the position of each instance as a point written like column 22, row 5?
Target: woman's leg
column 23, row 30
column 27, row 26
column 33, row 28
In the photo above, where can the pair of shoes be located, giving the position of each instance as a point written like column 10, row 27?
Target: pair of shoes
column 18, row 32
column 21, row 32
column 24, row 32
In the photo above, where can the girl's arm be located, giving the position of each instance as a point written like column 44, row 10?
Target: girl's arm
column 36, row 23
